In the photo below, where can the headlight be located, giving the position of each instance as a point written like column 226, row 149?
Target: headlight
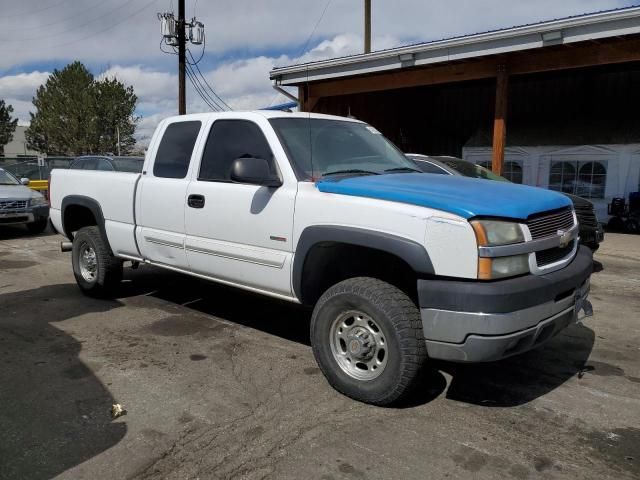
column 501, row 267
column 38, row 201
column 491, row 233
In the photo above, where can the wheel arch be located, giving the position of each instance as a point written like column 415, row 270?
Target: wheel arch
column 78, row 211
column 407, row 253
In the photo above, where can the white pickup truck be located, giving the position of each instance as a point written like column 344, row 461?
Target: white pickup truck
column 399, row 266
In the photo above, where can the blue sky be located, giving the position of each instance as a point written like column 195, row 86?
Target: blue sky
column 245, row 39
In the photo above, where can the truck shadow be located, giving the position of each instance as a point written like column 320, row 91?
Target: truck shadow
column 510, row 382
column 275, row 317
column 520, row 379
column 54, row 411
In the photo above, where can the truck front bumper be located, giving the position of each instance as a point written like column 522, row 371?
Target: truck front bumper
column 485, row 321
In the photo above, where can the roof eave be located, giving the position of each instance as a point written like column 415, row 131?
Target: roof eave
column 579, row 29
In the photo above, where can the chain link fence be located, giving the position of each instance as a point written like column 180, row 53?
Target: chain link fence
column 32, row 168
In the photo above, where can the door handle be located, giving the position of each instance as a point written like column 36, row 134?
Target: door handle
column 195, row 201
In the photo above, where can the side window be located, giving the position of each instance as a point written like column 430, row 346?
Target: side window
column 228, row 140
column 88, row 164
column 428, row 167
column 174, row 152
column 104, row 165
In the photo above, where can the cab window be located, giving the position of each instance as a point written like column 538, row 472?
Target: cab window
column 174, row 153
column 228, row 140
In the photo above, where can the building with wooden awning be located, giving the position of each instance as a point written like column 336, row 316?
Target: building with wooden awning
column 564, row 83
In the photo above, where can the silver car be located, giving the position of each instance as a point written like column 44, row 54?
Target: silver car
column 21, row 205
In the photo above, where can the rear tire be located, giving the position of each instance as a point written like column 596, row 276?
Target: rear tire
column 96, row 270
column 367, row 339
column 36, row 227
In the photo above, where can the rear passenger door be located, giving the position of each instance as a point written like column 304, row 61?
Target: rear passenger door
column 162, row 195
column 240, row 233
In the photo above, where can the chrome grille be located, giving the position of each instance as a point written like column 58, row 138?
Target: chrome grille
column 548, row 224
column 6, row 205
column 586, row 216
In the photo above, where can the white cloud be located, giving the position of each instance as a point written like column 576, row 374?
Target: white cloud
column 244, row 41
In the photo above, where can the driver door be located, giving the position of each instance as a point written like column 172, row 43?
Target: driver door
column 239, row 233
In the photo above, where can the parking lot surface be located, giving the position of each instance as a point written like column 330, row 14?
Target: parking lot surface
column 219, row 383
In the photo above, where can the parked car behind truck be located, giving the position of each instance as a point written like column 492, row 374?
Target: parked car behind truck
column 19, row 205
column 399, row 267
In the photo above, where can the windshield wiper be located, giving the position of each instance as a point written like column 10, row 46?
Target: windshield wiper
column 402, row 169
column 351, row 170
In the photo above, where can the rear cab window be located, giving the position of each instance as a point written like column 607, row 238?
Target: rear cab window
column 174, row 153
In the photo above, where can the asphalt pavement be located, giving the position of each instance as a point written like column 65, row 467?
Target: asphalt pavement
column 220, row 383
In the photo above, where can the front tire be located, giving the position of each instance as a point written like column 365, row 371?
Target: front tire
column 96, row 270
column 367, row 339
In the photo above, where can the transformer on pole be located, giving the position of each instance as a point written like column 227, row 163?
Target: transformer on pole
column 176, row 33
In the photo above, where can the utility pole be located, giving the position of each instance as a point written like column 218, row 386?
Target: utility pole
column 367, row 26
column 175, row 35
column 182, row 53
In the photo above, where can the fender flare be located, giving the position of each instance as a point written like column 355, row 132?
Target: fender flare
column 413, row 253
column 89, row 203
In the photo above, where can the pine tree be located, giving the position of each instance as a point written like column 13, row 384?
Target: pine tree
column 7, row 125
column 77, row 114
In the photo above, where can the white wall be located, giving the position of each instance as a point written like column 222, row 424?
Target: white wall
column 623, row 166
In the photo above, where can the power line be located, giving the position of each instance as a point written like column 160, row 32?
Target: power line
column 195, row 64
column 306, row 44
column 12, row 15
column 84, row 23
column 62, row 20
column 97, row 32
column 197, row 89
column 203, row 89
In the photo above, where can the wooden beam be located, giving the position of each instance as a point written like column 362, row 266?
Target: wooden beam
column 500, row 119
column 582, row 55
column 405, row 79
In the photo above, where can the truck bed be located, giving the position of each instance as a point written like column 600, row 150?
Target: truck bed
column 113, row 191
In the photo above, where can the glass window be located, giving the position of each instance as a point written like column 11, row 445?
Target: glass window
column 586, row 179
column 319, row 147
column 512, row 171
column 104, row 165
column 428, row 167
column 7, row 179
column 228, row 140
column 128, row 164
column 85, row 164
column 562, row 177
column 176, row 147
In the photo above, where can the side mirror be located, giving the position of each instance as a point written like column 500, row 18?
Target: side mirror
column 24, row 181
column 254, row 171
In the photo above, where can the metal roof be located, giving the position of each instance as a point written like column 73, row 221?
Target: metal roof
column 579, row 28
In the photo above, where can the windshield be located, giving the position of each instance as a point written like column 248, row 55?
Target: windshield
column 7, row 179
column 319, row 147
column 128, row 164
column 472, row 170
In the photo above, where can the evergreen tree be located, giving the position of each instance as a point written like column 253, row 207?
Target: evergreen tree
column 77, row 114
column 7, row 125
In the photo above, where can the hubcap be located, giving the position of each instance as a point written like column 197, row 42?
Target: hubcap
column 358, row 345
column 88, row 263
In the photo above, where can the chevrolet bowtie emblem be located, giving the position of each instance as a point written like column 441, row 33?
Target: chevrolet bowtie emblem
column 565, row 238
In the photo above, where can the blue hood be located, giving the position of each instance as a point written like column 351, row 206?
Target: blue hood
column 466, row 197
